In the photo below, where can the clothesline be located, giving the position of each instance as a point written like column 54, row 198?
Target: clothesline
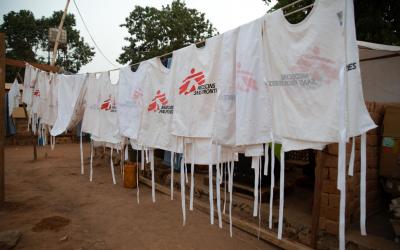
column 202, row 41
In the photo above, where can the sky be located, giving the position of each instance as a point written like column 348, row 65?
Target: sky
column 103, row 18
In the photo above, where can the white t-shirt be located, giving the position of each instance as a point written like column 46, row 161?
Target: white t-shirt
column 253, row 109
column 68, row 91
column 158, row 109
column 195, row 89
column 100, row 116
column 29, row 84
column 52, row 103
column 224, row 126
column 303, row 72
column 38, row 88
column 130, row 100
column 44, row 98
column 13, row 97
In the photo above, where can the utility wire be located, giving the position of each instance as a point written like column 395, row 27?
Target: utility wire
column 91, row 37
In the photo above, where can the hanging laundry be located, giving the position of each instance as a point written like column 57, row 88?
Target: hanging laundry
column 29, row 84
column 303, row 65
column 195, row 89
column 312, row 73
column 70, row 88
column 130, row 101
column 224, row 126
column 44, row 98
column 158, row 109
column 253, row 109
column 100, row 116
column 13, row 97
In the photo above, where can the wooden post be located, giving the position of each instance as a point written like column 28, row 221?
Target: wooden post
column 319, row 165
column 2, row 121
column 53, row 59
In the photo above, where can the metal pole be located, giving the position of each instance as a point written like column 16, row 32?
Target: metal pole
column 53, row 59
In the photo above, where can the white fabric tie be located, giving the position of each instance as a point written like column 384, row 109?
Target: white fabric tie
column 230, row 187
column 271, row 196
column 266, row 162
column 281, row 194
column 153, row 185
column 142, row 159
column 224, row 167
column 210, row 185
column 192, row 179
column 137, row 175
column 91, row 160
column 218, row 186
column 112, row 166
column 352, row 156
column 363, row 176
column 172, row 175
column 256, row 166
column 341, row 179
column 183, row 191
column 81, row 150
column 126, row 156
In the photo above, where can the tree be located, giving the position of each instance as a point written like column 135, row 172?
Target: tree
column 154, row 32
column 376, row 21
column 26, row 39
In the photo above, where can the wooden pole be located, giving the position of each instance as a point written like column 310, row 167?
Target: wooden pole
column 2, row 109
column 53, row 59
column 319, row 165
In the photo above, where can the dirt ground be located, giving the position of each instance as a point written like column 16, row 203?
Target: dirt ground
column 57, row 208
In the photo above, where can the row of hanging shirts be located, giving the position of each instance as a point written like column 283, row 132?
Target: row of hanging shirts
column 265, row 82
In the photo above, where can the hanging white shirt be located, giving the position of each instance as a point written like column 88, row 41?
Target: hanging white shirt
column 100, row 116
column 29, row 84
column 130, row 101
column 158, row 109
column 303, row 65
column 13, row 97
column 195, row 89
column 68, row 91
column 253, row 109
column 44, row 98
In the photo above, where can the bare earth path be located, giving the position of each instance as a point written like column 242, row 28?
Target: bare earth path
column 98, row 215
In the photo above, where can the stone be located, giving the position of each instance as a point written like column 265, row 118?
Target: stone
column 9, row 239
column 64, row 238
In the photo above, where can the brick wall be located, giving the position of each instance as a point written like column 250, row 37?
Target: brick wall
column 329, row 215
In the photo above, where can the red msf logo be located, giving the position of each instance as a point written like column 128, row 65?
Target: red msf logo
column 191, row 82
column 159, row 100
column 319, row 67
column 244, row 80
column 36, row 93
column 107, row 104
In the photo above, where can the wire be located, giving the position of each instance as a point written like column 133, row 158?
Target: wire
column 91, row 37
column 170, row 53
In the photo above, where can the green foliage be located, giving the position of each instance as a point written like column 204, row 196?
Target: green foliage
column 376, row 21
column 22, row 35
column 27, row 39
column 154, row 32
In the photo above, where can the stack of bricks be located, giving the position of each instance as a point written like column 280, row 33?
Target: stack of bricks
column 329, row 213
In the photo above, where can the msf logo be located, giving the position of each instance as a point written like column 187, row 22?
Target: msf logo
column 158, row 101
column 191, row 82
column 36, row 93
column 108, row 105
column 244, row 80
